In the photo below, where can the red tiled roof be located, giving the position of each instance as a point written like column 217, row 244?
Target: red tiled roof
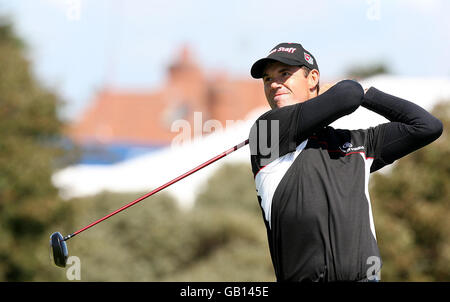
column 146, row 118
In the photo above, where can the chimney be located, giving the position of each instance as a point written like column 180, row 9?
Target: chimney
column 186, row 83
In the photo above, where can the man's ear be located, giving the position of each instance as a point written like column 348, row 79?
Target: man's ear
column 313, row 80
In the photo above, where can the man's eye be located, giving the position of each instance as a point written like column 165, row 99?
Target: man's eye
column 267, row 79
column 285, row 73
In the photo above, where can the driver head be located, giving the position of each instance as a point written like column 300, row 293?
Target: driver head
column 58, row 249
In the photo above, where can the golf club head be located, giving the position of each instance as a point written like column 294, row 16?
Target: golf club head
column 58, row 249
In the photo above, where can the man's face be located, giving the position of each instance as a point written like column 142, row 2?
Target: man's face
column 286, row 85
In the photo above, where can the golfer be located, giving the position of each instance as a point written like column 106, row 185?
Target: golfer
column 311, row 179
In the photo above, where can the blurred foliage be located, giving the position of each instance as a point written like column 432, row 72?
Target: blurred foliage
column 362, row 72
column 28, row 129
column 411, row 206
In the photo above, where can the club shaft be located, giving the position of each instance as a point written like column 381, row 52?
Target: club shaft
column 216, row 158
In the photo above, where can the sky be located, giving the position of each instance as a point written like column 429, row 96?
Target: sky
column 78, row 47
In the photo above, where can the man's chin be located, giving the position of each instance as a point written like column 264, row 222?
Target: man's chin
column 282, row 102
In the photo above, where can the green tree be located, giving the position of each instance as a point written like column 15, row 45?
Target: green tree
column 28, row 129
column 362, row 72
column 412, row 209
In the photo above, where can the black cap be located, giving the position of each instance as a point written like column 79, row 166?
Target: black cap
column 288, row 53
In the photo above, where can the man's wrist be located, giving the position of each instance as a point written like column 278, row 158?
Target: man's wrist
column 369, row 96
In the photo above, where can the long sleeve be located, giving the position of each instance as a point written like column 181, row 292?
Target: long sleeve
column 340, row 100
column 410, row 128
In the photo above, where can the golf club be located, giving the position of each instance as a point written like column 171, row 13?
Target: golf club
column 59, row 252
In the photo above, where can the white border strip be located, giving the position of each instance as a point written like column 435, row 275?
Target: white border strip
column 269, row 177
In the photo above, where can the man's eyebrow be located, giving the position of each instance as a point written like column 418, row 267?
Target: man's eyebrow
column 281, row 70
column 285, row 69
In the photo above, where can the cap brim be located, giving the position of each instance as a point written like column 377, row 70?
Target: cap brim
column 258, row 67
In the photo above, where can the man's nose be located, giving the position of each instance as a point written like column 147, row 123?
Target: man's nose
column 275, row 84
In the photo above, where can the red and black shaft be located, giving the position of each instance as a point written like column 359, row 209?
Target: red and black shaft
column 201, row 166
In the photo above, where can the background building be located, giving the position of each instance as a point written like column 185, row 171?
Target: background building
column 120, row 124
